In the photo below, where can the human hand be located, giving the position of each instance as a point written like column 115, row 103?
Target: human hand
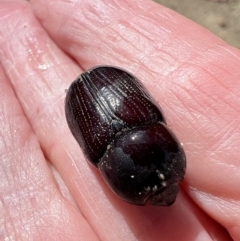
column 48, row 190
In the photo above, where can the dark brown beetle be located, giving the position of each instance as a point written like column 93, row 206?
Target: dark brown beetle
column 124, row 134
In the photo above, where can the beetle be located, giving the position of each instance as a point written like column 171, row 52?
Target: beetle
column 124, row 134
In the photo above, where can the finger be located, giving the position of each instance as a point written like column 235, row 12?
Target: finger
column 192, row 73
column 31, row 206
column 45, row 115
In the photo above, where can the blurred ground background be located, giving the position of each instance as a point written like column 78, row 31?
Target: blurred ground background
column 222, row 17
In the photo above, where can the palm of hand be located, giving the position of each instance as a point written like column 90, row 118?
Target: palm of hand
column 48, row 191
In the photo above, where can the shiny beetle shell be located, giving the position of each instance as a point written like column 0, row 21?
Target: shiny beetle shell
column 124, row 134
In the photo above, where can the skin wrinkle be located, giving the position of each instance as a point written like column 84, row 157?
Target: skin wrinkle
column 41, row 111
column 212, row 107
column 86, row 13
column 226, row 88
column 8, row 132
column 14, row 30
column 11, row 229
column 218, row 134
column 193, row 56
column 217, row 62
column 18, row 198
column 97, row 15
column 192, row 112
column 34, row 42
column 14, row 204
column 128, row 41
column 198, row 87
column 62, row 187
column 223, row 137
column 228, row 50
column 206, row 106
column 142, row 31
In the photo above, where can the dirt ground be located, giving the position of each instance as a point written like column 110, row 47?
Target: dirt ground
column 222, row 17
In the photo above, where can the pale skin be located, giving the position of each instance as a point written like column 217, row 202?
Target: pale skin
column 48, row 191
